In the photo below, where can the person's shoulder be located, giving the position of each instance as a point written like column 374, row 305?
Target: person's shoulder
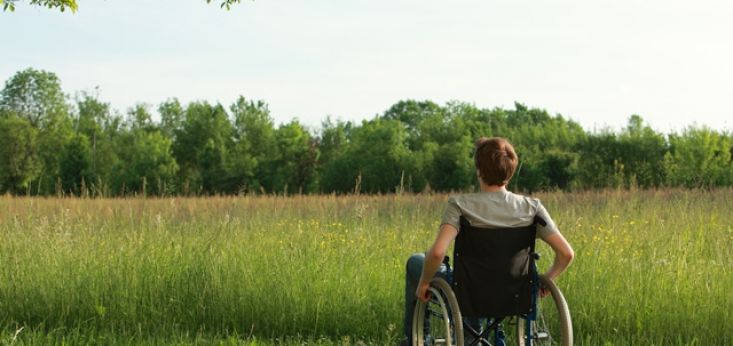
column 453, row 201
column 529, row 200
column 464, row 197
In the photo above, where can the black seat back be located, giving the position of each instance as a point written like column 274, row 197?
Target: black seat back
column 491, row 276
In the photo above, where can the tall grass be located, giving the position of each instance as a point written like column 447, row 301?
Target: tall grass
column 652, row 267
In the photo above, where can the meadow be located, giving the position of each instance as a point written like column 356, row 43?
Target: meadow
column 652, row 267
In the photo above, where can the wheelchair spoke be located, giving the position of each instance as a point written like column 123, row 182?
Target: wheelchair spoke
column 435, row 307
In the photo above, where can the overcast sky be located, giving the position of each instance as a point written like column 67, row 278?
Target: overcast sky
column 596, row 62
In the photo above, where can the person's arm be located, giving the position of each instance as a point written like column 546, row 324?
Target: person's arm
column 433, row 259
column 563, row 254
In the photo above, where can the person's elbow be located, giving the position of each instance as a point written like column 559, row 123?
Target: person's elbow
column 567, row 254
column 563, row 251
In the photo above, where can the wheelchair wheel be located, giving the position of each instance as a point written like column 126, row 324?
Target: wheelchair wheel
column 553, row 325
column 438, row 322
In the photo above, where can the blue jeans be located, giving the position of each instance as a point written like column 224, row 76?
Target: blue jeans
column 412, row 278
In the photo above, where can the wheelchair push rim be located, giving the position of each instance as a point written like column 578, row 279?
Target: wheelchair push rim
column 438, row 322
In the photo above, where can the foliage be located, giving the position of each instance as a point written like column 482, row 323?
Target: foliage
column 294, row 163
column 699, row 158
column 34, row 95
column 376, row 160
column 75, row 168
column 62, row 5
column 104, row 131
column 226, row 3
column 201, row 147
column 171, row 117
column 20, row 163
column 254, row 146
column 414, row 146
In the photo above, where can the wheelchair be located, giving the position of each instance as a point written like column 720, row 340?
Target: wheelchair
column 491, row 296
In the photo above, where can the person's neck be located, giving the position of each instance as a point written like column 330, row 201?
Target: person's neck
column 492, row 188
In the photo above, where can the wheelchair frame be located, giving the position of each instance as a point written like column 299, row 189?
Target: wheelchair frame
column 530, row 329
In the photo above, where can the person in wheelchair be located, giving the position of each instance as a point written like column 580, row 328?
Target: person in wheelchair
column 494, row 207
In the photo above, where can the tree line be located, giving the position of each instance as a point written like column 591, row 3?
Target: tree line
column 53, row 145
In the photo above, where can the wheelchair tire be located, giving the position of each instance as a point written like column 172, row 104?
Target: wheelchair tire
column 553, row 325
column 438, row 322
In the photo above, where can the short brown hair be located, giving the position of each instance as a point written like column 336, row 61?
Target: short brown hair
column 495, row 160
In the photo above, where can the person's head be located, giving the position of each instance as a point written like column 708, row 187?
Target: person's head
column 495, row 160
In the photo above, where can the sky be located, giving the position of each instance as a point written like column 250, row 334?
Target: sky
column 595, row 62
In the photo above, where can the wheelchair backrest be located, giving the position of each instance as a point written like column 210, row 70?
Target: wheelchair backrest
column 491, row 275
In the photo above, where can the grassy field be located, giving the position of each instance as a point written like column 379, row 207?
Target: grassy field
column 652, row 268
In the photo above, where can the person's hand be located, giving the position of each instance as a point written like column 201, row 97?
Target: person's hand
column 423, row 292
column 544, row 292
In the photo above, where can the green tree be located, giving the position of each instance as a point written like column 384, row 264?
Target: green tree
column 92, row 115
column 439, row 140
column 75, row 165
column 293, row 167
column 171, row 117
column 96, row 122
column 417, row 117
column 376, row 161
column 201, row 148
column 37, row 97
column 254, row 145
column 453, row 167
column 140, row 118
column 332, row 143
column 333, row 138
column 545, row 145
column 699, row 157
column 445, row 158
column 149, row 165
column 20, row 163
column 599, row 164
column 642, row 154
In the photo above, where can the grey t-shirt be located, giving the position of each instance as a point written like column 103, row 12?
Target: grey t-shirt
column 499, row 209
